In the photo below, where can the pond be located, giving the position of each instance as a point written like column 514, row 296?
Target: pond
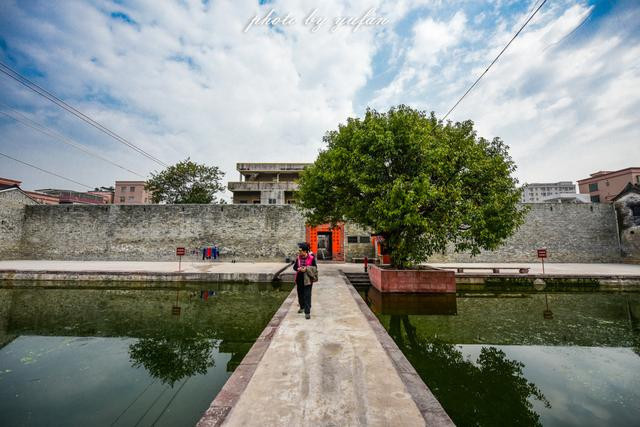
column 124, row 356
column 526, row 359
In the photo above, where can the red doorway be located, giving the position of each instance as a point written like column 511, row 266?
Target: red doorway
column 326, row 242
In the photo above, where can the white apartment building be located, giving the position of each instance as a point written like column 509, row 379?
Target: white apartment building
column 541, row 192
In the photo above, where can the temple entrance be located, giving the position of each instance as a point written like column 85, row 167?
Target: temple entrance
column 326, row 242
column 324, row 246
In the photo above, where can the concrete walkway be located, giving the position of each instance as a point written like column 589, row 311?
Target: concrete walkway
column 272, row 267
column 330, row 370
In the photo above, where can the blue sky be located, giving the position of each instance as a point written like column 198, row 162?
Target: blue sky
column 185, row 79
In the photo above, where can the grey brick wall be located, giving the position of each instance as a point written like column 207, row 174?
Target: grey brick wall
column 356, row 250
column 12, row 216
column 152, row 232
column 570, row 232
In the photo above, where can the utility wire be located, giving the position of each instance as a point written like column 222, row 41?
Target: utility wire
column 169, row 403
column 134, row 401
column 46, row 171
column 494, row 61
column 48, row 95
column 24, row 120
column 151, row 406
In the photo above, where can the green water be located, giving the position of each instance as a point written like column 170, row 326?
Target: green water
column 124, row 357
column 569, row 360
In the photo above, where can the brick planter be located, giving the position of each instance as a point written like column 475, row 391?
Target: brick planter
column 426, row 280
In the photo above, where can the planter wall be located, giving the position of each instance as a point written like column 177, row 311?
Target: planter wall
column 431, row 280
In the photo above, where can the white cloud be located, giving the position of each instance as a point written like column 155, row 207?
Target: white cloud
column 566, row 109
column 230, row 97
column 186, row 80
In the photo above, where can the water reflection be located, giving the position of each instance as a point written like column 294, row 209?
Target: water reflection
column 64, row 352
column 503, row 360
column 399, row 303
column 176, row 354
column 486, row 392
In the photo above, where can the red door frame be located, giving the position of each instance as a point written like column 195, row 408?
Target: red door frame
column 337, row 239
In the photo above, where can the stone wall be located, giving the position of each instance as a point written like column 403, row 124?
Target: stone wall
column 12, row 216
column 629, row 226
column 360, row 249
column 152, row 232
column 570, row 232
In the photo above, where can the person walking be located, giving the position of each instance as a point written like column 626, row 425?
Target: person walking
column 306, row 269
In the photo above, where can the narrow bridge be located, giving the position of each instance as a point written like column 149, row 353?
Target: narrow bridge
column 338, row 368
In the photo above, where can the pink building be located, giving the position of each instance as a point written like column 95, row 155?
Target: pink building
column 45, row 199
column 72, row 197
column 107, row 196
column 603, row 186
column 131, row 193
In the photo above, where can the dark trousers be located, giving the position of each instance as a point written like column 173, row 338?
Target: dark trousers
column 304, row 296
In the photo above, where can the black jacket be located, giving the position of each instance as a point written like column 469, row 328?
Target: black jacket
column 300, row 277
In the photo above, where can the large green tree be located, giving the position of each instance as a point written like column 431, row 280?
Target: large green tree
column 186, row 182
column 417, row 181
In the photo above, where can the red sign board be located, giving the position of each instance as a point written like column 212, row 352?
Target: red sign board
column 542, row 253
column 180, row 251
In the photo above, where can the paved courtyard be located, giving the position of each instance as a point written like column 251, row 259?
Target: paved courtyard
column 273, row 267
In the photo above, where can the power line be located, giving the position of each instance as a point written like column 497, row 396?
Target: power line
column 50, row 132
column 151, row 406
column 494, row 61
column 46, row 171
column 169, row 402
column 48, row 95
column 134, row 401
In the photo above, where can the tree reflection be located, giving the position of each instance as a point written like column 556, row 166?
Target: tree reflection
column 177, row 353
column 492, row 391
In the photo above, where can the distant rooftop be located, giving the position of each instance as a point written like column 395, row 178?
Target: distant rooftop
column 608, row 174
column 9, row 182
column 271, row 167
column 559, row 183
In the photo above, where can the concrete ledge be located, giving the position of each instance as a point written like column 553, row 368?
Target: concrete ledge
column 605, row 282
column 431, row 410
column 226, row 398
column 131, row 276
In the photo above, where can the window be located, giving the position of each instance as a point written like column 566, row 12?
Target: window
column 595, row 199
column 364, row 239
column 272, row 201
column 352, row 239
column 121, row 199
column 132, row 189
column 256, row 202
column 607, row 183
column 635, row 209
column 243, row 202
column 130, row 198
column 123, row 189
column 593, row 187
column 638, row 179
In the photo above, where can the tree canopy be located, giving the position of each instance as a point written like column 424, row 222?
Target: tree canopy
column 417, row 181
column 186, row 182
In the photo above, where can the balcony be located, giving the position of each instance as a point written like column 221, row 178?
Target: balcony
column 262, row 186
